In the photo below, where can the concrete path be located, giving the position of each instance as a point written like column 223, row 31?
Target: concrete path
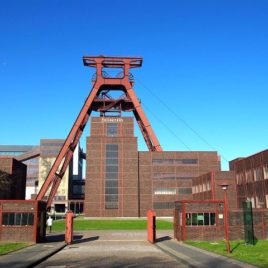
column 116, row 249
column 111, row 249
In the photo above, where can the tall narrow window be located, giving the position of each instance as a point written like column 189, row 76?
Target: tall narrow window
column 112, row 130
column 111, row 177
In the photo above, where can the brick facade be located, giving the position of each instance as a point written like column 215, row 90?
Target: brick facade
column 182, row 231
column 12, row 178
column 207, row 187
column 22, row 221
column 251, row 174
column 146, row 180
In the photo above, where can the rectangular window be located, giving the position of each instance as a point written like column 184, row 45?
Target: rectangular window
column 184, row 190
column 265, row 172
column 112, row 130
column 201, row 219
column 165, row 191
column 163, row 205
column 78, row 189
column 194, row 218
column 169, row 176
column 111, row 176
column 258, row 173
column 175, row 161
column 249, row 176
column 18, row 218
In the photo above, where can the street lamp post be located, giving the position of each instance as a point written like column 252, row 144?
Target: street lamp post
column 224, row 187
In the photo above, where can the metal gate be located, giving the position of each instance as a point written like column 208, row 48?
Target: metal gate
column 248, row 223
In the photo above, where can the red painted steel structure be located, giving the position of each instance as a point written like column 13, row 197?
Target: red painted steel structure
column 224, row 187
column 99, row 100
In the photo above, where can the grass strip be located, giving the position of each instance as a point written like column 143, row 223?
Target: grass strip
column 86, row 224
column 253, row 254
column 9, row 247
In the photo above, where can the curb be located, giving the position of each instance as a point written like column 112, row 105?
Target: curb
column 182, row 258
column 46, row 256
column 226, row 258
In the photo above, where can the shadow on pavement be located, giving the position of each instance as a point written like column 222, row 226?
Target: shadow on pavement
column 59, row 238
column 164, row 238
column 55, row 238
column 88, row 239
column 76, row 238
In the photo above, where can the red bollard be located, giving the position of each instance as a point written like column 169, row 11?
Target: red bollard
column 151, row 226
column 69, row 227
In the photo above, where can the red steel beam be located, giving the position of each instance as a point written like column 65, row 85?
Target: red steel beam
column 69, row 144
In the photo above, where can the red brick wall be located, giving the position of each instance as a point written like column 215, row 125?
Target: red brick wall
column 210, row 233
column 251, row 187
column 30, row 233
column 12, row 178
column 139, row 173
column 127, row 169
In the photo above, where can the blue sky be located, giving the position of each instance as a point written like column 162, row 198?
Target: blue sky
column 203, row 84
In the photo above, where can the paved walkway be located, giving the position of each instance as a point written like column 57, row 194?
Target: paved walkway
column 112, row 249
column 32, row 255
column 116, row 249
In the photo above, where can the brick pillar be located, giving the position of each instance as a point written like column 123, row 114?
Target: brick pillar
column 151, row 227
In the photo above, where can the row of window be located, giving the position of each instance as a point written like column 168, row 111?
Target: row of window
column 175, row 161
column 55, row 144
column 169, row 176
column 163, row 205
column 202, row 187
column 17, row 218
column 172, row 191
column 50, row 152
column 258, row 201
column 256, row 174
column 200, row 219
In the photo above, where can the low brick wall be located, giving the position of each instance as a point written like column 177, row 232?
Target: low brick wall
column 22, row 221
column 182, row 231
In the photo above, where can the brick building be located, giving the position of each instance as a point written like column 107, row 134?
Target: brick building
column 38, row 159
column 12, row 178
column 28, row 155
column 121, row 181
column 204, row 220
column 207, row 187
column 251, row 174
column 71, row 190
column 22, row 221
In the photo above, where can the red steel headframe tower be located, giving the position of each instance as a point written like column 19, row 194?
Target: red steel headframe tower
column 99, row 100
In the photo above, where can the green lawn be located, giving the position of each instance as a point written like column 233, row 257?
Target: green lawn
column 256, row 255
column 8, row 247
column 81, row 224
